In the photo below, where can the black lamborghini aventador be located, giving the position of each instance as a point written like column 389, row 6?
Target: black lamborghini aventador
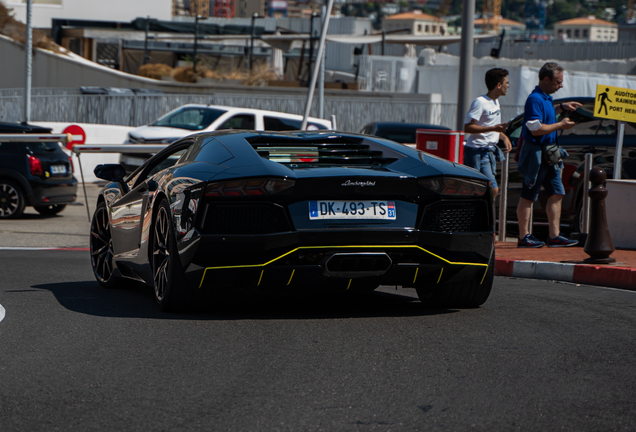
column 308, row 210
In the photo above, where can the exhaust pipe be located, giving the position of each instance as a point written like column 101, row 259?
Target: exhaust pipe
column 357, row 265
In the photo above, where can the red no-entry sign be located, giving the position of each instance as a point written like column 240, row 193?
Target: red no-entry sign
column 79, row 136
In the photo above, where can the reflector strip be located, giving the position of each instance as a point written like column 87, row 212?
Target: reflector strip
column 259, row 279
column 343, row 247
column 348, row 286
column 416, row 270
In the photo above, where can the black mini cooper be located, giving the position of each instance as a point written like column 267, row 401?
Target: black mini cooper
column 37, row 174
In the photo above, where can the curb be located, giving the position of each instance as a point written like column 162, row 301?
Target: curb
column 614, row 277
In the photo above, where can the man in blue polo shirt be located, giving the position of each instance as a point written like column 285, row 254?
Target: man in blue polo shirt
column 540, row 129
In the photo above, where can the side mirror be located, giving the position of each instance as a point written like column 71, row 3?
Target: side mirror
column 110, row 172
column 113, row 173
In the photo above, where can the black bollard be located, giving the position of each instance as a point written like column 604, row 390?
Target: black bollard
column 599, row 244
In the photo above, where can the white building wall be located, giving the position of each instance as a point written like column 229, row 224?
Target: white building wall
column 103, row 10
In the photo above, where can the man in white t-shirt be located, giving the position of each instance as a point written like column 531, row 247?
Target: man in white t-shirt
column 483, row 123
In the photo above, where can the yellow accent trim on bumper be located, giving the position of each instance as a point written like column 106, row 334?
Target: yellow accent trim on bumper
column 440, row 275
column 292, row 275
column 340, row 247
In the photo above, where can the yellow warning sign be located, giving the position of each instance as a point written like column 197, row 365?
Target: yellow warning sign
column 615, row 103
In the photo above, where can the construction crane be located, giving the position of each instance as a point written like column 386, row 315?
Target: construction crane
column 492, row 13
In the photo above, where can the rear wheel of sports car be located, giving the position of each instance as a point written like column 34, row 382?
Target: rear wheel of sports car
column 459, row 294
column 171, row 290
column 11, row 200
column 50, row 210
column 101, row 248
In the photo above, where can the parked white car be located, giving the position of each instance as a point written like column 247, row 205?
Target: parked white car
column 193, row 118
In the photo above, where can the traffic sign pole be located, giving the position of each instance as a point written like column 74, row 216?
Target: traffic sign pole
column 618, row 155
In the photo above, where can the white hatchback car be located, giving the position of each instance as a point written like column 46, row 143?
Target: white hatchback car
column 193, row 118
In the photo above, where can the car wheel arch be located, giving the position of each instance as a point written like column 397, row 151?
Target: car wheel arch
column 7, row 174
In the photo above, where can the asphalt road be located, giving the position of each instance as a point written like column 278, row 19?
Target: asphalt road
column 537, row 356
column 67, row 229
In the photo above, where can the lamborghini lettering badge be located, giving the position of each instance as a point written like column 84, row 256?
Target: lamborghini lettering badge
column 358, row 183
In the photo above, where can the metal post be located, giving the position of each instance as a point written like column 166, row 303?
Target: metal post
column 321, row 48
column 321, row 77
column 585, row 211
column 503, row 200
column 88, row 211
column 145, row 58
column 383, row 40
column 334, row 126
column 28, row 51
column 196, row 45
column 311, row 40
column 251, row 53
column 618, row 156
column 465, row 61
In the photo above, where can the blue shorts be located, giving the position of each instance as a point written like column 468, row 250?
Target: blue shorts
column 483, row 161
column 550, row 178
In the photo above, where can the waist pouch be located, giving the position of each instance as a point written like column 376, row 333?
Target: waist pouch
column 551, row 154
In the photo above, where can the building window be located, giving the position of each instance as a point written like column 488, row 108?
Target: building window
column 569, row 33
column 434, row 29
column 426, row 28
column 576, row 33
column 560, row 31
column 419, row 28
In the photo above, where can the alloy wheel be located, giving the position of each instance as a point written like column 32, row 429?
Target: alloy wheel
column 161, row 253
column 101, row 245
column 9, row 200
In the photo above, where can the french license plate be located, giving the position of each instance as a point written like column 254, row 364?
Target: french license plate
column 352, row 210
column 135, row 161
column 58, row 169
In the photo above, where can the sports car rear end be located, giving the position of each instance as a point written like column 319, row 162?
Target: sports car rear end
column 349, row 213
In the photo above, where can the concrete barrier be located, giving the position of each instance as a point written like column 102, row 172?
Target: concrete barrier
column 620, row 207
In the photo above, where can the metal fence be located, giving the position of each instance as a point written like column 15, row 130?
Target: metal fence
column 564, row 51
column 352, row 112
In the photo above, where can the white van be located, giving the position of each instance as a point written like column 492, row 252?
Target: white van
column 193, row 118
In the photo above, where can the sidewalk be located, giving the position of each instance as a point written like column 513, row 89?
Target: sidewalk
column 565, row 264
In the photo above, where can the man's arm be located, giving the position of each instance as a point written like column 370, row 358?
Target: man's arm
column 568, row 106
column 473, row 128
column 506, row 142
column 543, row 129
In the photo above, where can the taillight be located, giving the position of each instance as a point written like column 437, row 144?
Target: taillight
column 247, row 187
column 454, row 186
column 70, row 161
column 35, row 166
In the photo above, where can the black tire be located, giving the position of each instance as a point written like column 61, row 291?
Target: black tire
column 50, row 210
column 459, row 294
column 171, row 290
column 101, row 248
column 11, row 200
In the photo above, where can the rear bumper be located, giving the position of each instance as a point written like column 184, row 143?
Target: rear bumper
column 413, row 259
column 52, row 192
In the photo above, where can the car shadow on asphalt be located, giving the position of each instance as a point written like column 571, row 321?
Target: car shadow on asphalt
column 138, row 302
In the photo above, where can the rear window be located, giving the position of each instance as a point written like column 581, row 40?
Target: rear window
column 191, row 118
column 40, row 147
column 400, row 136
column 285, row 124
